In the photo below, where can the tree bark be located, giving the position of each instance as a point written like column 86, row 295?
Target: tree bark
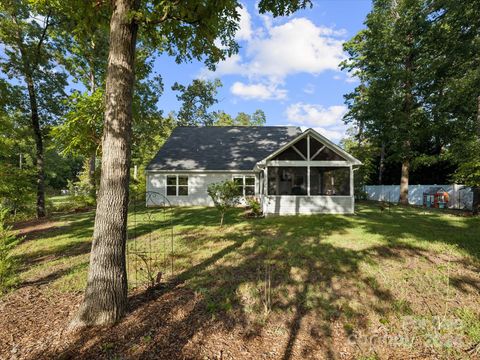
column 381, row 167
column 476, row 189
column 93, row 158
column 404, row 182
column 39, row 159
column 407, row 124
column 35, row 122
column 91, row 174
column 105, row 300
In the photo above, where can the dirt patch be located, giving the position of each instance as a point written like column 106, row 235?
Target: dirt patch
column 32, row 229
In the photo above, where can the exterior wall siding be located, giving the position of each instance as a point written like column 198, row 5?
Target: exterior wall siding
column 197, row 186
column 295, row 205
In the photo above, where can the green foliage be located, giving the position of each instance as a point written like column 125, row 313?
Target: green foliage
column 365, row 152
column 196, row 99
column 242, row 119
column 30, row 53
column 17, row 189
column 468, row 172
column 81, row 192
column 225, row 195
column 470, row 323
column 81, row 130
column 254, row 206
column 419, row 71
column 8, row 265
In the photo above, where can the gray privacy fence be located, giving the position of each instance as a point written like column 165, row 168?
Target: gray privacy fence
column 461, row 197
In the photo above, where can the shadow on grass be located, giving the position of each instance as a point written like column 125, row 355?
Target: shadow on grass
column 208, row 294
column 309, row 277
column 429, row 226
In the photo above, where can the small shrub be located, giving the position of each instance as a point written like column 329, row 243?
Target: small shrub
column 225, row 195
column 17, row 192
column 254, row 207
column 80, row 195
column 8, row 265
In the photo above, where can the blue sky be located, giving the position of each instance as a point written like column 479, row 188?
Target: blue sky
column 287, row 66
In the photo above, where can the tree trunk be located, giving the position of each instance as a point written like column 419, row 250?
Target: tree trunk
column 105, row 300
column 37, row 133
column 93, row 158
column 476, row 189
column 381, row 167
column 407, row 124
column 404, row 182
column 91, row 175
column 28, row 67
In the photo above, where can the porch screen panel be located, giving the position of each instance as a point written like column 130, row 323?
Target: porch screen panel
column 284, row 180
column 329, row 181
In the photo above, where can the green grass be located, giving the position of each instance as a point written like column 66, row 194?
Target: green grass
column 403, row 271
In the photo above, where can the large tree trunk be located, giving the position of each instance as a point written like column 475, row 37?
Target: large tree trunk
column 407, row 124
column 105, row 300
column 476, row 189
column 34, row 117
column 37, row 133
column 93, row 157
column 404, row 182
column 381, row 167
column 91, row 174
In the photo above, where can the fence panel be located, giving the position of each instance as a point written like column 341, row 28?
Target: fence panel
column 461, row 197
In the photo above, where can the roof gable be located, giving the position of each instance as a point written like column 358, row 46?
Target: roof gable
column 335, row 149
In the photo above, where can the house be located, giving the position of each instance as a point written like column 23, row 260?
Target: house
column 289, row 171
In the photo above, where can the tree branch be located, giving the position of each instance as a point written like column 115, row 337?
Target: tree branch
column 44, row 32
column 167, row 16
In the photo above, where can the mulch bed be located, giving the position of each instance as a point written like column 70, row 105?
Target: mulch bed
column 167, row 324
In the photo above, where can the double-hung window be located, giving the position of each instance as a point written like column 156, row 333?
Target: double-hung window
column 246, row 184
column 177, row 185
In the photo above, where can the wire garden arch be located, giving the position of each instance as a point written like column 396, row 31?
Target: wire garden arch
column 150, row 243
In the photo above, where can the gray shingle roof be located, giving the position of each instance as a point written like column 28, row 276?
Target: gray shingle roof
column 220, row 147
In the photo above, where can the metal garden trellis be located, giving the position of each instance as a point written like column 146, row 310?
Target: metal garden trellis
column 152, row 230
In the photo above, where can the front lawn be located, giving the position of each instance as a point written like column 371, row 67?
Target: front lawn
column 376, row 284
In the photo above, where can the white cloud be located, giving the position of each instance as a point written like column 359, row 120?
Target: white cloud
column 348, row 78
column 315, row 115
column 245, row 25
column 258, row 91
column 331, row 134
column 274, row 51
column 294, row 47
column 326, row 120
column 309, row 89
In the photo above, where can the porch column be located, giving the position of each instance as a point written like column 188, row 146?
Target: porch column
column 352, row 192
column 308, row 165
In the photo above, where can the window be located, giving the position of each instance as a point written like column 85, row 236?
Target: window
column 249, row 186
column 329, row 181
column 246, row 185
column 284, row 180
column 177, row 185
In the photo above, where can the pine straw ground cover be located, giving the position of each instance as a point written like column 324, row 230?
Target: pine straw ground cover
column 374, row 285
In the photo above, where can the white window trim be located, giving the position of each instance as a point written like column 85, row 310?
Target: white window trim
column 177, row 185
column 244, row 185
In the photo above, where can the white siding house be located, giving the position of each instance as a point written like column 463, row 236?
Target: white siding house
column 290, row 172
column 197, row 185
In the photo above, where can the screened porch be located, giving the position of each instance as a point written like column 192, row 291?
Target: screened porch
column 309, row 175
